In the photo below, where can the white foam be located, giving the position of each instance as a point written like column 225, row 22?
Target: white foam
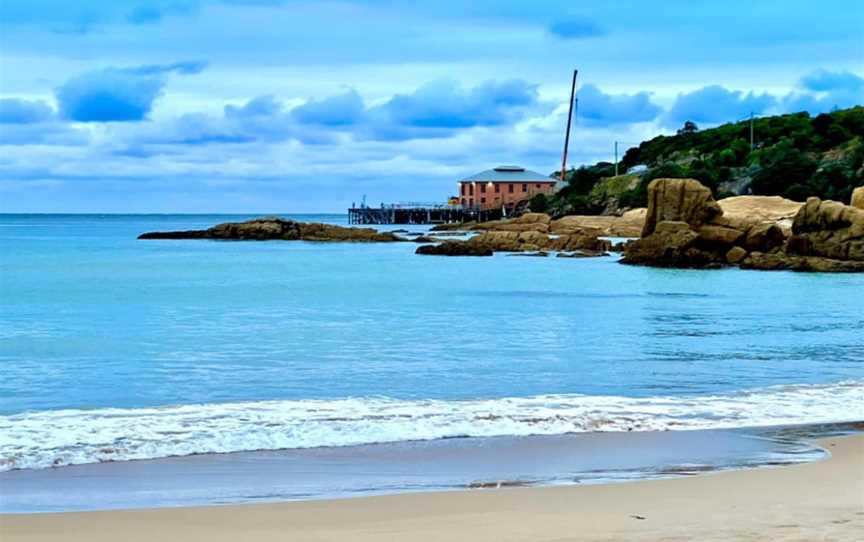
column 64, row 437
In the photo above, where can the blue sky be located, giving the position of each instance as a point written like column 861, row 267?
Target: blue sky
column 282, row 106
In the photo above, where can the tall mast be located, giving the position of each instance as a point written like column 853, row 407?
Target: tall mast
column 569, row 120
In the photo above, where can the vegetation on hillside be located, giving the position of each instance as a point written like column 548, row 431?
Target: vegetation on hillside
column 794, row 156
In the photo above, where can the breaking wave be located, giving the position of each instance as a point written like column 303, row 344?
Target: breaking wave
column 34, row 440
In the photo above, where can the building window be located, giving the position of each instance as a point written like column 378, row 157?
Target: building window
column 471, row 202
column 471, row 189
column 482, row 188
column 510, row 188
column 482, row 200
column 462, row 189
column 524, row 187
column 497, row 188
column 464, row 202
column 538, row 185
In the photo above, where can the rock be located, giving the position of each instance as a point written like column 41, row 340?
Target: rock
column 671, row 226
column 537, row 222
column 685, row 200
column 828, row 229
column 764, row 237
column 455, row 226
column 453, row 248
column 669, row 248
column 627, row 225
column 735, row 255
column 578, row 241
column 721, row 236
column 540, row 254
column 780, row 261
column 582, row 254
column 752, row 210
column 426, row 239
column 274, row 228
column 858, row 198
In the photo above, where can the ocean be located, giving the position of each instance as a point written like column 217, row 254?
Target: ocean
column 114, row 349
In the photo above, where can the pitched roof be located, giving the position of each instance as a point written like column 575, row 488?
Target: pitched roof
column 509, row 174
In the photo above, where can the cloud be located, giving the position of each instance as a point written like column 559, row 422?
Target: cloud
column 16, row 111
column 340, row 110
column 445, row 104
column 597, row 107
column 576, row 29
column 117, row 94
column 716, row 104
column 826, row 90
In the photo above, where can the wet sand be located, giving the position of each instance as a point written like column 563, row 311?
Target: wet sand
column 814, row 501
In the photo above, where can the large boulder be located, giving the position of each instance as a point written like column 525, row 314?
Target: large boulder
column 858, row 198
column 275, row 228
column 764, row 237
column 685, row 200
column 672, row 244
column 828, row 229
column 750, row 211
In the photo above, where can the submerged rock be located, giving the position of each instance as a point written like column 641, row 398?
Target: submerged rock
column 274, row 228
column 453, row 248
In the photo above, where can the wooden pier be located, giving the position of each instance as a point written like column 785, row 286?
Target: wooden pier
column 419, row 213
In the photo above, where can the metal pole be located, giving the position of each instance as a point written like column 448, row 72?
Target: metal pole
column 751, row 130
column 569, row 120
column 616, row 158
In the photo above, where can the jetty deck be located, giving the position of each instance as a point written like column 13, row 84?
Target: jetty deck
column 418, row 213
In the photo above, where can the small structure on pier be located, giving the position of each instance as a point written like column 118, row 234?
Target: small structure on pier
column 503, row 188
column 488, row 195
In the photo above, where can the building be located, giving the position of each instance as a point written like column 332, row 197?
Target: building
column 503, row 187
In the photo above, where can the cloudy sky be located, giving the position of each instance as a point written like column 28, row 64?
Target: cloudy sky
column 283, row 106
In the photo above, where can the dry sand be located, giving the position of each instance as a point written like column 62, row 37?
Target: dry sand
column 815, row 501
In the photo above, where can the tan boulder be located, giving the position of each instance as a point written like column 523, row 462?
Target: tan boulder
column 538, row 222
column 685, row 200
column 764, row 237
column 742, row 211
column 828, row 229
column 779, row 261
column 627, row 225
column 858, row 198
column 735, row 255
column 719, row 235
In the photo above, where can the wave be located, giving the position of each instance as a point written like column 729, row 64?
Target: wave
column 34, row 440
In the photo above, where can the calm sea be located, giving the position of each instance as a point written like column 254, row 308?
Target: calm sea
column 113, row 348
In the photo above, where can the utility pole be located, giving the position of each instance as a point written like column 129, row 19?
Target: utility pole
column 616, row 158
column 751, row 131
column 569, row 120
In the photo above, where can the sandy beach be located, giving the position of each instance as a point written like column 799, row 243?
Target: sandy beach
column 814, row 501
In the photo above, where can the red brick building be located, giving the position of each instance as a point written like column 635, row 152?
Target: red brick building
column 503, row 187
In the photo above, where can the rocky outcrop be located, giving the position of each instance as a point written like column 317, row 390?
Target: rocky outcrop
column 684, row 200
column 517, row 242
column 274, row 228
column 858, row 198
column 825, row 235
column 627, row 225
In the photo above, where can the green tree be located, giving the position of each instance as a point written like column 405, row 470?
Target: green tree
column 782, row 166
column 539, row 203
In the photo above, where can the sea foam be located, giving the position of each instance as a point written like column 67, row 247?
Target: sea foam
column 34, row 440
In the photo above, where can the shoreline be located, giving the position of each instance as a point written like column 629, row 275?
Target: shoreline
column 327, row 473
column 817, row 500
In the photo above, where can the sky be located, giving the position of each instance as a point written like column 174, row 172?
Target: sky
column 258, row 106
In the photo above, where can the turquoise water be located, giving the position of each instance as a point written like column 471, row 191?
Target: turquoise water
column 114, row 348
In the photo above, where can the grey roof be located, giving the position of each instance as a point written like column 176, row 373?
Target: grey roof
column 509, row 174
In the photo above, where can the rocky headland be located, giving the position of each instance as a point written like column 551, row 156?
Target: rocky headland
column 274, row 228
column 686, row 228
